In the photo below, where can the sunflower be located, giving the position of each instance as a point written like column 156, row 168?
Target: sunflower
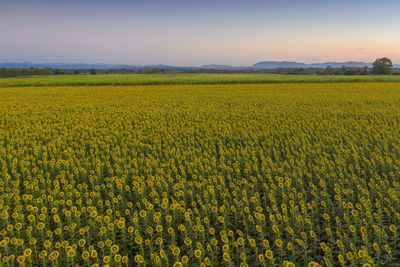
column 176, row 251
column 269, row 254
column 21, row 259
column 197, row 253
column 226, row 256
column 117, row 258
column 139, row 259
column 93, row 254
column 85, row 255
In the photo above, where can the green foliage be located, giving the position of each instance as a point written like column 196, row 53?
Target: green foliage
column 382, row 66
column 217, row 78
column 327, row 71
column 15, row 72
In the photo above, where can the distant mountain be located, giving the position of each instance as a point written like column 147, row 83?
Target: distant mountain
column 355, row 64
column 278, row 64
column 217, row 66
column 83, row 66
column 54, row 65
column 291, row 64
column 259, row 65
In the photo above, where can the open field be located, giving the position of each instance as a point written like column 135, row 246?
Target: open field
column 146, row 79
column 222, row 175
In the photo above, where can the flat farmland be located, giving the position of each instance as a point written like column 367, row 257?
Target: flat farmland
column 184, row 78
column 221, row 175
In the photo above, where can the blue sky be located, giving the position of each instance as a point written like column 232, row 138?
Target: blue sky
column 198, row 32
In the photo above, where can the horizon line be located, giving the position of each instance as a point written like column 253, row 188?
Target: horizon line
column 172, row 65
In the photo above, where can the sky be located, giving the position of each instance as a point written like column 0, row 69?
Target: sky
column 193, row 33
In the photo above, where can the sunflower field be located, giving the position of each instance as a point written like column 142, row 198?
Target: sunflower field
column 200, row 175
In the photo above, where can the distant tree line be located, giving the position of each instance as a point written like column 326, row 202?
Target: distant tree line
column 381, row 66
column 345, row 71
column 15, row 72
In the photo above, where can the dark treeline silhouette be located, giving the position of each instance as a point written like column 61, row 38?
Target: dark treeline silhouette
column 17, row 72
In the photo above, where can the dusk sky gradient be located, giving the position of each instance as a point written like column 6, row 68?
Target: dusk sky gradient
column 198, row 32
